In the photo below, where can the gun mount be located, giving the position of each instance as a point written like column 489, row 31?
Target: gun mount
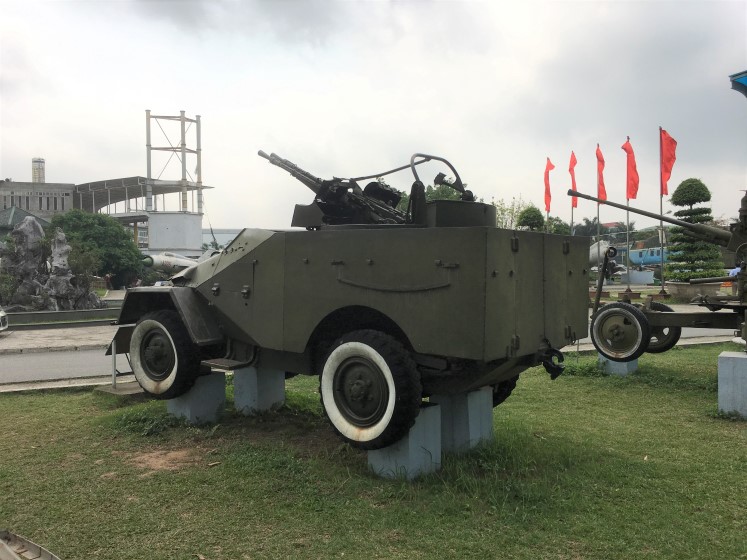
column 624, row 331
column 343, row 202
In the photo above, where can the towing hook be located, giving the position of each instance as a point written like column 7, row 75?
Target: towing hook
column 553, row 362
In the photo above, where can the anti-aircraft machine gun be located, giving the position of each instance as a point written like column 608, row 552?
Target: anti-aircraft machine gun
column 386, row 306
column 623, row 331
column 343, row 201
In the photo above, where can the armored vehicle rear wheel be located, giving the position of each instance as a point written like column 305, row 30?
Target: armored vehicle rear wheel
column 370, row 389
column 164, row 359
column 663, row 338
column 620, row 332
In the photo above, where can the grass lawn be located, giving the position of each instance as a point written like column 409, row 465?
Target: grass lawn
column 587, row 466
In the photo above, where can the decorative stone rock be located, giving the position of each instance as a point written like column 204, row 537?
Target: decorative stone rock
column 42, row 285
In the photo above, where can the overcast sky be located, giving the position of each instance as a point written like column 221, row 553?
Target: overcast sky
column 353, row 88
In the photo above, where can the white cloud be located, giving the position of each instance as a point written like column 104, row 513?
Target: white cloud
column 351, row 88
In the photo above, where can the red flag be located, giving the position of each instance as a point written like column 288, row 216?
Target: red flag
column 572, row 171
column 668, row 157
column 601, row 191
column 631, row 182
column 548, row 167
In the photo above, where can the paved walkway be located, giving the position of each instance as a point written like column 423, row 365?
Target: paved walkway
column 90, row 338
column 53, row 339
column 59, row 339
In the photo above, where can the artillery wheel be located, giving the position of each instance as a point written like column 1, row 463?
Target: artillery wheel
column 503, row 390
column 663, row 338
column 164, row 359
column 370, row 389
column 620, row 332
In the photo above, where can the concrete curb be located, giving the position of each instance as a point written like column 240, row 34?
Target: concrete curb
column 53, row 349
column 588, row 347
column 65, row 383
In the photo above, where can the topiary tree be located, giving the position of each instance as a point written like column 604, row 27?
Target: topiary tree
column 690, row 192
column 531, row 218
column 688, row 257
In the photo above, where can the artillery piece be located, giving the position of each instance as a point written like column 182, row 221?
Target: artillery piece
column 623, row 331
column 386, row 306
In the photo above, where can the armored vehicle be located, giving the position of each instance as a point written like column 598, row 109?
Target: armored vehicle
column 623, row 331
column 386, row 306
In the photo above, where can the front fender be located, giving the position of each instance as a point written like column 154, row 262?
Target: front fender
column 195, row 312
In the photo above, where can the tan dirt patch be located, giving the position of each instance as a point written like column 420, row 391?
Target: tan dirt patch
column 167, row 460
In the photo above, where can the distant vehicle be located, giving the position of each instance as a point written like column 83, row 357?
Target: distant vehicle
column 650, row 256
column 3, row 320
column 171, row 263
column 596, row 252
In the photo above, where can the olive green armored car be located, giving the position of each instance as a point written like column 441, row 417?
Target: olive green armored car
column 386, row 306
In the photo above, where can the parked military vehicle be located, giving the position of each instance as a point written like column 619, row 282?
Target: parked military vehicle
column 386, row 306
column 623, row 331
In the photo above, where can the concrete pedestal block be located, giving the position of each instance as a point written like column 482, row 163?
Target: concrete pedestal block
column 618, row 368
column 258, row 389
column 419, row 452
column 466, row 419
column 732, row 382
column 203, row 403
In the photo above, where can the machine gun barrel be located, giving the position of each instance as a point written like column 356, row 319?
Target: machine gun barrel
column 314, row 183
column 711, row 234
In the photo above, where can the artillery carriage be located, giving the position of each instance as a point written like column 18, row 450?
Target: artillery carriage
column 623, row 331
column 388, row 307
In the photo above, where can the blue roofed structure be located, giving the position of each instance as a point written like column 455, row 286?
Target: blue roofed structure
column 739, row 82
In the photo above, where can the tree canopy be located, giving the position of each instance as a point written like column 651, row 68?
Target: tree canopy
column 507, row 213
column 690, row 192
column 106, row 245
column 531, row 218
column 439, row 192
column 558, row 226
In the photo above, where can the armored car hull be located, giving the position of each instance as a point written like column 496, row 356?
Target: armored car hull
column 386, row 314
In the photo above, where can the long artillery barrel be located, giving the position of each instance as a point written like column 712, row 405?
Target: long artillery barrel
column 711, row 234
column 314, row 183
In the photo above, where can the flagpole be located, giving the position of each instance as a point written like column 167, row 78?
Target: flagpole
column 599, row 232
column 627, row 242
column 627, row 228
column 662, row 236
column 571, row 170
column 571, row 216
column 599, row 242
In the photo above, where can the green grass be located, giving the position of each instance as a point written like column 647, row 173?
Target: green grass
column 587, row 466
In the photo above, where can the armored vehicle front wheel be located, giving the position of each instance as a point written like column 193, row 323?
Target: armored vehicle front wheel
column 370, row 389
column 620, row 332
column 164, row 359
column 663, row 338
